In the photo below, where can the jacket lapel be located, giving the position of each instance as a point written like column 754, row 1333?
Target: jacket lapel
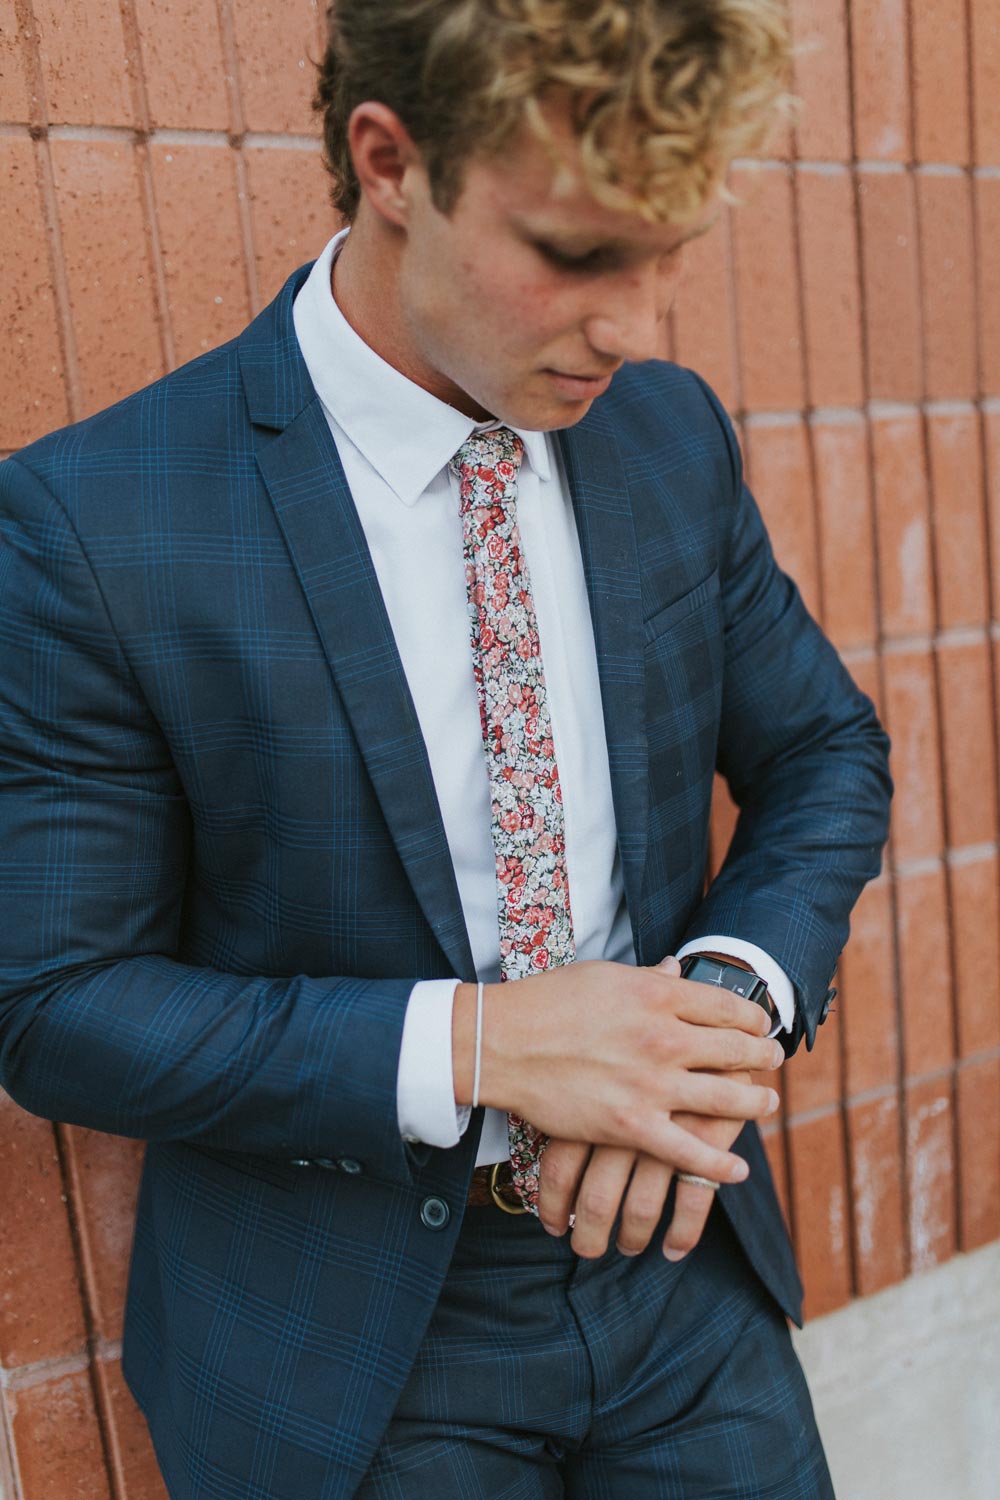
column 299, row 464
column 599, row 490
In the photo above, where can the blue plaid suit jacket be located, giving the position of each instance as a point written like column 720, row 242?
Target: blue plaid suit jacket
column 224, row 866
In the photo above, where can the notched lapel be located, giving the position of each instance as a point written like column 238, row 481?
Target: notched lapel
column 318, row 518
column 604, row 522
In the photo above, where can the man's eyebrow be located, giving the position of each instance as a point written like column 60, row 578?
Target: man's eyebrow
column 571, row 238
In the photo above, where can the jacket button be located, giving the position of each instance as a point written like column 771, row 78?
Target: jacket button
column 434, row 1213
column 350, row 1166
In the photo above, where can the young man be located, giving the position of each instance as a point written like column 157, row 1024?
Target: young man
column 364, row 684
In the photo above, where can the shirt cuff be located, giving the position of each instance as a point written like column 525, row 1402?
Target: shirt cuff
column 425, row 1078
column 779, row 986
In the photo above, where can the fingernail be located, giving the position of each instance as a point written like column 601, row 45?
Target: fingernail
column 675, row 1255
column 741, row 1172
column 552, row 1229
column 773, row 1102
column 628, row 1253
column 779, row 1054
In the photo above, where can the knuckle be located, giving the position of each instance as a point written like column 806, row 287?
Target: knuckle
column 625, row 1121
column 761, row 1101
column 723, row 1097
column 732, row 1050
column 556, row 1173
column 644, row 1209
column 595, row 1204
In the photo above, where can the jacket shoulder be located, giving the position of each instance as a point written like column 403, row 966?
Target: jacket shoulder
column 671, row 427
column 190, row 421
column 113, row 438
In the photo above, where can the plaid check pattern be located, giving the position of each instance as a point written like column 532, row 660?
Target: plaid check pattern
column 633, row 1380
column 223, row 866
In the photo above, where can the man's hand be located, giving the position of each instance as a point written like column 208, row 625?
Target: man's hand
column 609, row 1054
column 592, row 1183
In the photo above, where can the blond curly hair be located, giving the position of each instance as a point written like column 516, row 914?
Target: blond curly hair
column 665, row 93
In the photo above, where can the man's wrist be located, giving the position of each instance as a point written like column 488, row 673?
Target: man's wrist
column 758, row 961
column 463, row 1042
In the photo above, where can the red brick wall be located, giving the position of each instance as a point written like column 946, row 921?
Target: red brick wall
column 160, row 178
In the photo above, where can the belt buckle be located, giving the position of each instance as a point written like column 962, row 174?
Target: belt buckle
column 508, row 1208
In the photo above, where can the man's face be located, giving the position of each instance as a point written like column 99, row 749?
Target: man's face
column 523, row 301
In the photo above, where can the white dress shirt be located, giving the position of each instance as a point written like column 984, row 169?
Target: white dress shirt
column 395, row 441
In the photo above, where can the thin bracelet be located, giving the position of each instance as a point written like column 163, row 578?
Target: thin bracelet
column 479, row 1045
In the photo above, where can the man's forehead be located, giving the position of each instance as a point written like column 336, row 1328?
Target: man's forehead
column 545, row 190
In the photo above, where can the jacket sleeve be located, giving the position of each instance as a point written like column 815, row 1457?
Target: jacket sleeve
column 100, row 1025
column 807, row 764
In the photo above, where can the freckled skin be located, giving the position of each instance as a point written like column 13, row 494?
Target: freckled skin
column 470, row 307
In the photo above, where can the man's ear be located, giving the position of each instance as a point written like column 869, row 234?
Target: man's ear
column 382, row 150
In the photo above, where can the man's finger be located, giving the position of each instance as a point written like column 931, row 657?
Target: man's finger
column 724, row 1050
column 725, row 1098
column 643, row 1206
column 691, row 1209
column 599, row 1199
column 711, row 1005
column 678, row 1148
column 559, row 1173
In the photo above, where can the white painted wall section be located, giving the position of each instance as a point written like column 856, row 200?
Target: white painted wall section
column 906, row 1386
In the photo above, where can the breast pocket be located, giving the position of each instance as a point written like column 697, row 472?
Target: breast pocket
column 688, row 604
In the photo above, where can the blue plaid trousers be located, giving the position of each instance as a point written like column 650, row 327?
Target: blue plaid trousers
column 543, row 1376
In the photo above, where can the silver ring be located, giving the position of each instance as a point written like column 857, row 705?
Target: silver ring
column 698, row 1181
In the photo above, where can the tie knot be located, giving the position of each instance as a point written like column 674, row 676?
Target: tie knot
column 489, row 460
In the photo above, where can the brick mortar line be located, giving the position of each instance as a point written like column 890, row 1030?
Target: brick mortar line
column 873, row 411
column 961, row 858
column 83, row 1257
column 844, row 1104
column 49, row 197
column 930, row 641
column 297, row 140
column 23, row 1377
column 166, row 135
column 30, row 61
column 237, row 114
column 895, row 997
column 953, row 638
column 26, row 1377
column 10, row 1473
column 934, row 517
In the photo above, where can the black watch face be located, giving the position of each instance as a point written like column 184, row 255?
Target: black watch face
column 709, row 971
column 728, row 977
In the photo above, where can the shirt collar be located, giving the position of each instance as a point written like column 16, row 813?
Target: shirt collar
column 405, row 433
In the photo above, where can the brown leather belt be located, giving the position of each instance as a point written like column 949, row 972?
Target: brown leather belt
column 494, row 1186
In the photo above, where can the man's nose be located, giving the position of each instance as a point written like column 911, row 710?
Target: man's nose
column 629, row 324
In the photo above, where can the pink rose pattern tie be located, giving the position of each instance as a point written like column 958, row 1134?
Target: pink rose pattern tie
column 535, row 921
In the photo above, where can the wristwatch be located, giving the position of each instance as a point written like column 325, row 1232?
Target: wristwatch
column 728, row 976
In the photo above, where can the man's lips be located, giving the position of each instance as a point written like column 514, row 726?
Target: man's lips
column 580, row 385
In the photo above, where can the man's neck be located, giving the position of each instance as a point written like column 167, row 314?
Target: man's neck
column 365, row 283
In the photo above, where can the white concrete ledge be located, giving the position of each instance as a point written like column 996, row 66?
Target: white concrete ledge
column 906, row 1386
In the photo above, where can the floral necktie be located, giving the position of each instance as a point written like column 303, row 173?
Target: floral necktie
column 533, row 908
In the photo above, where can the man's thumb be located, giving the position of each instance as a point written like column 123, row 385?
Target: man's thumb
column 670, row 965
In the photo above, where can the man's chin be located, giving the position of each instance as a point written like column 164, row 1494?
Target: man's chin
column 545, row 415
